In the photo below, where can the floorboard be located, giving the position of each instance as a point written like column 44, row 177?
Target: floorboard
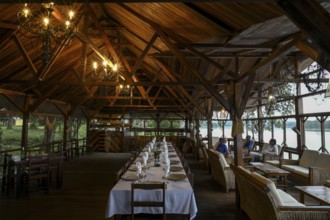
column 87, row 182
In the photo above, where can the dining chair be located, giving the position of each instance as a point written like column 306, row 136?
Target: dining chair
column 8, row 174
column 146, row 203
column 38, row 170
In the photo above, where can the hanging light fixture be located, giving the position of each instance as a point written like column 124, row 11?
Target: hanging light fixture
column 107, row 71
column 44, row 27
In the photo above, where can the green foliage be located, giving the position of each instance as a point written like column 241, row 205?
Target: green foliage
column 316, row 125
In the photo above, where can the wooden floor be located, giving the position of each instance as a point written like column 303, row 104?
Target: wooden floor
column 87, row 182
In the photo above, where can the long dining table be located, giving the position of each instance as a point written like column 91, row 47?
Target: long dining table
column 179, row 195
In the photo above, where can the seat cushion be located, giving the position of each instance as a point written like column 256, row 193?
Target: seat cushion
column 297, row 170
column 308, row 158
column 323, row 160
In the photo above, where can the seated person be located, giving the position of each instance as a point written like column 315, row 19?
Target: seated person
column 249, row 143
column 272, row 150
column 222, row 146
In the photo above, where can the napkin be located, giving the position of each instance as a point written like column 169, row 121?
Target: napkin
column 167, row 161
column 144, row 158
column 146, row 154
column 138, row 167
column 167, row 170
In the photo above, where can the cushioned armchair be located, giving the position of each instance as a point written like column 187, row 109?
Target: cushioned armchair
column 260, row 199
column 220, row 170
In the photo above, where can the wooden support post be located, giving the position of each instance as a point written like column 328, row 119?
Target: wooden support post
column 25, row 129
column 209, row 131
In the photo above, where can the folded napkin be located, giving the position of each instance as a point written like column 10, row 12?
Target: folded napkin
column 167, row 161
column 138, row 167
column 167, row 170
column 146, row 154
column 145, row 159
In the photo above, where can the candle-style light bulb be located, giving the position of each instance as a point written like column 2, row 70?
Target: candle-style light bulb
column 46, row 21
column 115, row 68
column 67, row 24
column 71, row 14
column 26, row 10
column 95, row 65
column 121, row 86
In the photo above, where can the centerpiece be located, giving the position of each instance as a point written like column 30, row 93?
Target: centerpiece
column 157, row 157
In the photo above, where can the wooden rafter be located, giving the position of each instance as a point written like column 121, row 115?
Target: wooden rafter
column 311, row 18
column 273, row 57
column 12, row 101
column 25, row 55
column 181, row 89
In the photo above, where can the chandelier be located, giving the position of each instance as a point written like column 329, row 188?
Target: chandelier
column 125, row 89
column 45, row 28
column 106, row 72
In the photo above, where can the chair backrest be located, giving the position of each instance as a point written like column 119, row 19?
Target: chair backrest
column 145, row 203
column 39, row 167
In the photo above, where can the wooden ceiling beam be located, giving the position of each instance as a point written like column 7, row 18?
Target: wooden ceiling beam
column 114, row 54
column 251, row 74
column 12, row 101
column 5, row 38
column 180, row 88
column 314, row 53
column 311, row 18
column 25, row 55
column 197, row 74
column 223, row 46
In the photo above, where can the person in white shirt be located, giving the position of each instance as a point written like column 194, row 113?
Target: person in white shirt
column 273, row 149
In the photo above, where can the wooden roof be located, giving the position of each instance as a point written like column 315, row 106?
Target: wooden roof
column 176, row 56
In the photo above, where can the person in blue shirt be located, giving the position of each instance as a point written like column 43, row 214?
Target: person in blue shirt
column 249, row 143
column 222, row 147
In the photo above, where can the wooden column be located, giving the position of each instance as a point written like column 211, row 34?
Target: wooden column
column 65, row 131
column 209, row 131
column 25, row 129
column 298, row 111
column 25, row 126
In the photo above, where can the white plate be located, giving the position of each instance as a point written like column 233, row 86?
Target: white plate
column 175, row 168
column 174, row 162
column 176, row 176
column 130, row 176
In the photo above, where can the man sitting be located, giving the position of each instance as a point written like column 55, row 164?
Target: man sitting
column 271, row 150
column 248, row 144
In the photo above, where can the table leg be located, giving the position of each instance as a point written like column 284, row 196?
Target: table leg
column 302, row 197
column 285, row 182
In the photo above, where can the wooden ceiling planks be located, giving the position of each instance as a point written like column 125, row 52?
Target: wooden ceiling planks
column 239, row 31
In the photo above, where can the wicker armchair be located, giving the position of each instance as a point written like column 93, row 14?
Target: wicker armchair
column 220, row 170
column 260, row 199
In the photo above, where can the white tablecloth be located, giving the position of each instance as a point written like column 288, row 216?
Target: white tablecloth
column 180, row 197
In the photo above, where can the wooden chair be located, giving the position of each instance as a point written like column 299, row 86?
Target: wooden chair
column 38, row 170
column 327, row 183
column 8, row 175
column 140, row 203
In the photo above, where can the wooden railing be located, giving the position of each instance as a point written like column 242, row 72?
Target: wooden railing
column 74, row 149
